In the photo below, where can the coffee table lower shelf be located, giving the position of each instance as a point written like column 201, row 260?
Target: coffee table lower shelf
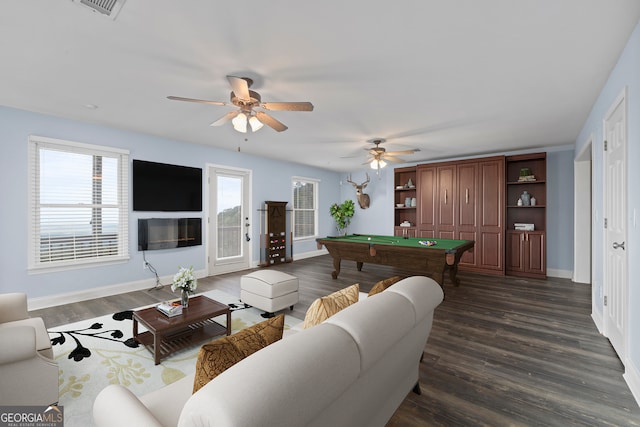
column 180, row 339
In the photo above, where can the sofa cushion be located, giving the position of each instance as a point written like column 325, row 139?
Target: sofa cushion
column 383, row 284
column 219, row 355
column 325, row 307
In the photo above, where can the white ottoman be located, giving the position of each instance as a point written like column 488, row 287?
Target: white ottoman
column 269, row 290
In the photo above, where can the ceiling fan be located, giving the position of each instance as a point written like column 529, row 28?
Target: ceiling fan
column 246, row 100
column 380, row 156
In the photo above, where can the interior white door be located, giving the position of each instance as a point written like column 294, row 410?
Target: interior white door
column 616, row 286
column 229, row 221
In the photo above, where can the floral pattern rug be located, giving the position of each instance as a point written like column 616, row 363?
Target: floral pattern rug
column 94, row 353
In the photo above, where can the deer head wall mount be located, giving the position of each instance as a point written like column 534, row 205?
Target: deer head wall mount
column 363, row 199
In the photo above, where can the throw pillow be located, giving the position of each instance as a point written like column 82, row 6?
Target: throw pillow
column 383, row 284
column 221, row 354
column 325, row 307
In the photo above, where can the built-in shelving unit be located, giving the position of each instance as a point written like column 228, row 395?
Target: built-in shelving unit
column 526, row 248
column 405, row 201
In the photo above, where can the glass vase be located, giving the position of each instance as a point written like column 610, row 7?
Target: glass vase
column 184, row 298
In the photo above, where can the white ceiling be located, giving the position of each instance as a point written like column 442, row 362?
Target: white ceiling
column 450, row 77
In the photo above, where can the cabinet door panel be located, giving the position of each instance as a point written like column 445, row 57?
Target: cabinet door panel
column 426, row 185
column 491, row 181
column 491, row 256
column 536, row 253
column 469, row 257
column 514, row 248
column 467, row 203
column 445, row 220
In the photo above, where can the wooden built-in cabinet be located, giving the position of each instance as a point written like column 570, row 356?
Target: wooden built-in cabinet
column 526, row 249
column 477, row 199
column 465, row 200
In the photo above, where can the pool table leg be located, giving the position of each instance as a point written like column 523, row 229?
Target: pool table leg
column 359, row 265
column 453, row 274
column 336, row 267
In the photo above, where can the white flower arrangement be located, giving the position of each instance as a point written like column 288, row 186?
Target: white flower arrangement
column 184, row 280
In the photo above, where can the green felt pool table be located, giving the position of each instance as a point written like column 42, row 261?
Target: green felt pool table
column 431, row 257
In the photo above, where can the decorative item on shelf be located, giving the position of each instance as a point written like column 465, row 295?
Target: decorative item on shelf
column 414, row 202
column 533, row 201
column 526, row 198
column 519, row 202
column 405, row 223
column 410, row 184
column 524, row 226
column 526, row 175
column 400, row 205
column 186, row 281
column 342, row 215
column 407, row 202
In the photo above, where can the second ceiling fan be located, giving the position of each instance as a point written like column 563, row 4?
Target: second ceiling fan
column 246, row 100
column 379, row 155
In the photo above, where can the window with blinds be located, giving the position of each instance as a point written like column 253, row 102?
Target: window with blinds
column 78, row 203
column 305, row 207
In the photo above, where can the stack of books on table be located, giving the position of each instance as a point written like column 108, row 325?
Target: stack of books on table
column 169, row 308
column 523, row 226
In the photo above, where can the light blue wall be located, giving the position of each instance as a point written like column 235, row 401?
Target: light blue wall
column 626, row 74
column 271, row 181
column 378, row 219
column 560, row 193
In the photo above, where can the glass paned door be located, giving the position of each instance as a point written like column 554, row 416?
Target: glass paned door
column 229, row 227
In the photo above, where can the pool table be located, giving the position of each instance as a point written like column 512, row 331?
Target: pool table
column 431, row 257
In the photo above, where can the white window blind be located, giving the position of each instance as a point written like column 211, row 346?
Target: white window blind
column 305, row 207
column 78, row 203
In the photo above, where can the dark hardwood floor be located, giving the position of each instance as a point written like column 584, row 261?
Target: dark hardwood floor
column 503, row 351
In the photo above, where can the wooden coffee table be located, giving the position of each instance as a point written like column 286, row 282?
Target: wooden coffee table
column 166, row 335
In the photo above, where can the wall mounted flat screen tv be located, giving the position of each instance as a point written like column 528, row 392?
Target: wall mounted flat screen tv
column 165, row 187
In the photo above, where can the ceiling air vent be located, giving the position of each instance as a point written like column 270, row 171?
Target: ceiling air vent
column 108, row 8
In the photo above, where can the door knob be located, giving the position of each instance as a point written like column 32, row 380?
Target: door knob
column 617, row 245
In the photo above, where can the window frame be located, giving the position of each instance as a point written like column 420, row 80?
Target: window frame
column 316, row 190
column 37, row 143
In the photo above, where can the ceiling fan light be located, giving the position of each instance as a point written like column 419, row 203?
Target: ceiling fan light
column 378, row 164
column 255, row 123
column 240, row 123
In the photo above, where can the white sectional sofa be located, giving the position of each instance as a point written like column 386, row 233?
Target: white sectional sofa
column 354, row 369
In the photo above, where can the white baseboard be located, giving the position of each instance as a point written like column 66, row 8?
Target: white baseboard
column 597, row 320
column 311, row 254
column 104, row 291
column 560, row 274
column 632, row 377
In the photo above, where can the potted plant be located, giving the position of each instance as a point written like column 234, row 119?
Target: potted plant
column 342, row 214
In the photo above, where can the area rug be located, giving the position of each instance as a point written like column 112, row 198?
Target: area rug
column 94, row 353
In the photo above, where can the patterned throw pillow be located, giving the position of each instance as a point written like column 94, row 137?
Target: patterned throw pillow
column 325, row 307
column 221, row 354
column 383, row 284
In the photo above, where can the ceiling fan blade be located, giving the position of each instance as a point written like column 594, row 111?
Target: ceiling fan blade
column 369, row 161
column 270, row 121
column 200, row 101
column 393, row 153
column 392, row 159
column 287, row 106
column 224, row 119
column 240, row 87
